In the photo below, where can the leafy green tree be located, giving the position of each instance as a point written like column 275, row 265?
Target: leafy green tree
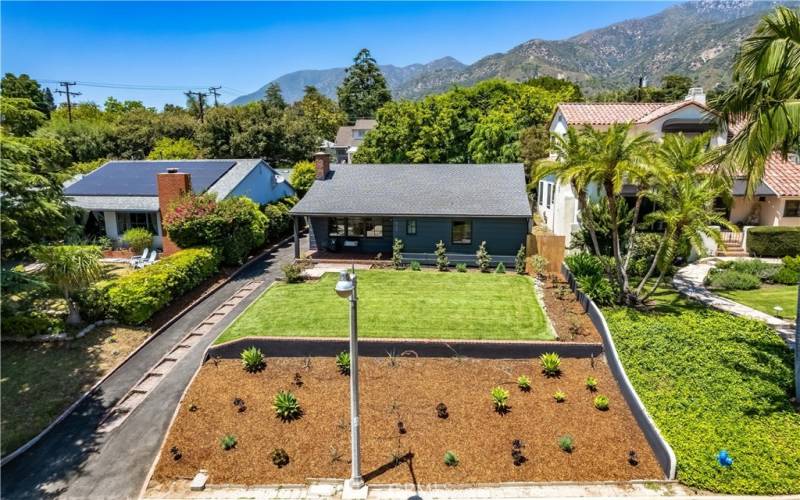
column 558, row 85
column 171, row 149
column 71, row 269
column 19, row 116
column 116, row 107
column 495, row 138
column 32, row 208
column 364, row 89
column 764, row 98
column 24, row 87
column 273, row 97
column 675, row 87
column 302, row 177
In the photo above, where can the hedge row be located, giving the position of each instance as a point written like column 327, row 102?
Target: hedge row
column 134, row 298
column 773, row 241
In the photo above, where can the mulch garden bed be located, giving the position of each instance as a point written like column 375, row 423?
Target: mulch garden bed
column 406, row 390
column 565, row 312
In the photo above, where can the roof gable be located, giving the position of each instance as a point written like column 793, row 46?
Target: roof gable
column 488, row 190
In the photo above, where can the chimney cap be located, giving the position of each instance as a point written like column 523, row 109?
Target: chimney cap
column 172, row 170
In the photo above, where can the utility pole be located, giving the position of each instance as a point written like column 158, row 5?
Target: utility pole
column 201, row 99
column 68, row 94
column 213, row 91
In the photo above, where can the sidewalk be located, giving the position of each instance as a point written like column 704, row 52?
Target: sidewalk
column 689, row 281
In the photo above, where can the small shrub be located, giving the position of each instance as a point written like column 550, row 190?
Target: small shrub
column 500, row 399
column 137, row 239
column 500, row 269
column 584, row 264
column 397, row 256
column 252, row 359
column 597, row 287
column 524, row 383
column 633, row 458
column 415, row 266
column 560, row 396
column 591, row 383
column 785, row 276
column 728, row 279
column 279, row 457
column 551, row 363
column 566, row 444
column 343, row 362
column 519, row 260
column 450, row 459
column 482, row 258
column 601, row 403
column 30, row 324
column 539, row 265
column 517, row 455
column 228, row 441
column 461, row 267
column 441, row 256
column 176, row 453
column 286, row 405
column 441, row 410
column 293, row 273
column 562, row 292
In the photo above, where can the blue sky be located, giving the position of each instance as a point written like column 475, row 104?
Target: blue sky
column 241, row 46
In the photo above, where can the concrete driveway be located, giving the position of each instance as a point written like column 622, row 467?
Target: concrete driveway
column 74, row 460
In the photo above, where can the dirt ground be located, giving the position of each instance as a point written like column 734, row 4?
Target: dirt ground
column 408, row 391
column 565, row 312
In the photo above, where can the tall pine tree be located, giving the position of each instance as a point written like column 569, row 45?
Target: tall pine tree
column 364, row 88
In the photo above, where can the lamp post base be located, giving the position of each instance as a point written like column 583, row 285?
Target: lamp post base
column 355, row 489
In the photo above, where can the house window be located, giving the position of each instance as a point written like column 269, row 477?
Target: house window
column 355, row 226
column 411, row 227
column 791, row 208
column 461, row 232
column 541, row 192
column 550, row 194
column 374, row 227
column 129, row 220
column 336, row 226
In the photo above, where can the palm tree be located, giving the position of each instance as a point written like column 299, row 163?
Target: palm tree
column 609, row 159
column 70, row 268
column 764, row 98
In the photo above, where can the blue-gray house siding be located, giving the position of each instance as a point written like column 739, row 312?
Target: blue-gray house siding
column 503, row 237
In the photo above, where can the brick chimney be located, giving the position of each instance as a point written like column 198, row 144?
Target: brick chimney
column 322, row 162
column 171, row 186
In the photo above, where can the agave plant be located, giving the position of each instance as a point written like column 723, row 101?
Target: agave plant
column 591, row 383
column 343, row 362
column 524, row 383
column 559, row 396
column 286, row 405
column 601, row 403
column 500, row 399
column 450, row 459
column 252, row 359
column 551, row 363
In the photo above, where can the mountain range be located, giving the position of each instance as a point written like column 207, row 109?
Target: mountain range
column 697, row 39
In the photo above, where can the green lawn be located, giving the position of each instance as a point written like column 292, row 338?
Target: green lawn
column 764, row 299
column 401, row 304
column 713, row 381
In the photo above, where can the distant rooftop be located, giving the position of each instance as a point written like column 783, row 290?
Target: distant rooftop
column 479, row 190
column 607, row 113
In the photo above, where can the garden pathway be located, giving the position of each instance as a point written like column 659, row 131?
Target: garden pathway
column 76, row 460
column 690, row 280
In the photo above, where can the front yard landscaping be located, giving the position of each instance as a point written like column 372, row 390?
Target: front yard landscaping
column 401, row 304
column 423, row 420
column 713, row 382
column 40, row 380
column 766, row 298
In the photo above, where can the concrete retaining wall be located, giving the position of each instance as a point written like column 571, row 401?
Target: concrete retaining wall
column 662, row 449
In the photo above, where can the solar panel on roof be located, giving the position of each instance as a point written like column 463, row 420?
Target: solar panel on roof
column 138, row 178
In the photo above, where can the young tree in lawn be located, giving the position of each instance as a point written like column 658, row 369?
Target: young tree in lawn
column 364, row 89
column 70, row 268
column 764, row 98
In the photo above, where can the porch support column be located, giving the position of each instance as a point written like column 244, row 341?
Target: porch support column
column 296, row 237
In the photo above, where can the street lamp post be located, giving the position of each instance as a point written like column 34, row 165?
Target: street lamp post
column 346, row 287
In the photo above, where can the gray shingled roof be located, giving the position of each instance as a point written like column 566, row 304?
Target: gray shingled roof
column 496, row 190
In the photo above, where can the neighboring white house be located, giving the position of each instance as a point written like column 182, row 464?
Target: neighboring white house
column 124, row 194
column 348, row 139
column 777, row 200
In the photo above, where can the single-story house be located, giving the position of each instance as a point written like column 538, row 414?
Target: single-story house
column 348, row 139
column 124, row 194
column 362, row 208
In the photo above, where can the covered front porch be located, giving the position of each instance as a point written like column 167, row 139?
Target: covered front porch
column 114, row 223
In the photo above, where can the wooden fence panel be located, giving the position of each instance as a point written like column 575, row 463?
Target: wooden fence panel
column 550, row 246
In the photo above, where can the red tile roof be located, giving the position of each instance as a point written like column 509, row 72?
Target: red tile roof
column 782, row 175
column 602, row 113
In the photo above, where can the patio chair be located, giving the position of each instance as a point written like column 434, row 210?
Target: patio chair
column 146, row 262
column 134, row 261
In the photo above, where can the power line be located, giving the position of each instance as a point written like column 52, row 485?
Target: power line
column 66, row 92
column 213, row 91
column 201, row 99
